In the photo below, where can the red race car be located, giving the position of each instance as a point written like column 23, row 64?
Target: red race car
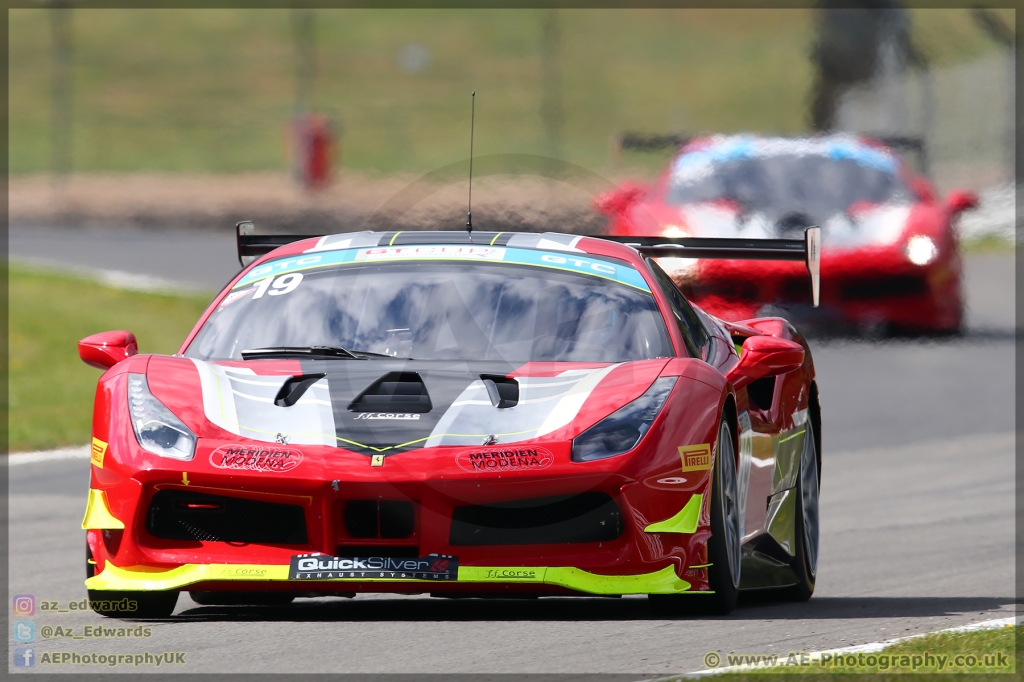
column 464, row 415
column 888, row 244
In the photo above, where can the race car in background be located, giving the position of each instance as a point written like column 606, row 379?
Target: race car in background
column 888, row 244
column 464, row 415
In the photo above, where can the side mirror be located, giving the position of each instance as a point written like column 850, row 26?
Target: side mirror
column 616, row 201
column 959, row 201
column 765, row 356
column 106, row 349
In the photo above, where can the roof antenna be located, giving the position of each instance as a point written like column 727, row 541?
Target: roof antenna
column 469, row 209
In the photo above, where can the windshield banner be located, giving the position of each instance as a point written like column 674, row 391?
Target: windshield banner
column 583, row 264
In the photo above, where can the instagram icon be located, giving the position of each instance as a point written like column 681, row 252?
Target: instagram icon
column 24, row 605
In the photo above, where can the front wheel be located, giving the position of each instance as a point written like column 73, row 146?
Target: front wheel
column 724, row 549
column 805, row 563
column 128, row 604
column 133, row 604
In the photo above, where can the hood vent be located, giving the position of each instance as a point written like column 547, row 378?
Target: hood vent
column 294, row 388
column 503, row 391
column 394, row 392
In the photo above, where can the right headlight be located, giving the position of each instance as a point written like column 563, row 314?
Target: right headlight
column 623, row 429
column 157, row 429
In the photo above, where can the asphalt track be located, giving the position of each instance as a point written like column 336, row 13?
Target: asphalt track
column 917, row 524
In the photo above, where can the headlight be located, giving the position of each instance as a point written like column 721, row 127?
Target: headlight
column 620, row 431
column 920, row 250
column 156, row 428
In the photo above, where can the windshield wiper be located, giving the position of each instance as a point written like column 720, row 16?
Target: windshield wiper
column 318, row 352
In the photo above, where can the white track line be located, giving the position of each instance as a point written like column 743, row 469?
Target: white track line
column 116, row 279
column 76, row 452
column 870, row 648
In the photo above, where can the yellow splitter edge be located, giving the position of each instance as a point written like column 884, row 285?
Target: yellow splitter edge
column 664, row 581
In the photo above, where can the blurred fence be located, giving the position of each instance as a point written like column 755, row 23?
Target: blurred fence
column 966, row 116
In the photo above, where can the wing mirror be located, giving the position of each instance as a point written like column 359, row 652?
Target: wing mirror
column 959, row 201
column 106, row 349
column 765, row 356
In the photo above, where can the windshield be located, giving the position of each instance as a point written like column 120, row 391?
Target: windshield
column 443, row 310
column 818, row 185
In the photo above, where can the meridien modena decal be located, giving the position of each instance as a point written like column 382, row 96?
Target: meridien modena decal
column 500, row 459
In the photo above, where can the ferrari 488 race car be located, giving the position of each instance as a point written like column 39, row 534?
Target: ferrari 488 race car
column 887, row 243
column 465, row 415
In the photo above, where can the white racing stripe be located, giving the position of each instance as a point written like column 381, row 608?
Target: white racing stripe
column 75, row 452
column 870, row 648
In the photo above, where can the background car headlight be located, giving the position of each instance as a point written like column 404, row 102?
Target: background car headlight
column 620, row 431
column 157, row 429
column 921, row 250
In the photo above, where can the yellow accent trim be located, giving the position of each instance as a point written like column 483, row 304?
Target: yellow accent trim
column 495, row 238
column 99, row 450
column 97, row 513
column 683, row 522
column 792, row 436
column 134, row 578
column 392, row 242
column 701, row 566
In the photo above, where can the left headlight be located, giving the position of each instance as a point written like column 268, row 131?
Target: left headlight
column 921, row 250
column 623, row 429
column 157, row 429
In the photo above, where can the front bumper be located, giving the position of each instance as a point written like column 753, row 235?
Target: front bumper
column 132, row 553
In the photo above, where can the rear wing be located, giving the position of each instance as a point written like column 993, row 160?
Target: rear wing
column 807, row 250
column 251, row 246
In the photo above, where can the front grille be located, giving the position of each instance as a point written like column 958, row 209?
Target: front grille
column 587, row 517
column 867, row 289
column 185, row 515
column 796, row 290
column 379, row 519
column 397, row 551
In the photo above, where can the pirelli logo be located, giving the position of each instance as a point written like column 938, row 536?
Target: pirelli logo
column 99, row 449
column 696, row 457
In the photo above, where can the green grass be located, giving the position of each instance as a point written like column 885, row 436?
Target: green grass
column 210, row 90
column 988, row 244
column 51, row 389
column 912, row 656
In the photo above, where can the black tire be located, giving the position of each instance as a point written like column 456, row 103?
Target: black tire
column 805, row 563
column 723, row 574
column 133, row 604
column 128, row 604
column 242, row 598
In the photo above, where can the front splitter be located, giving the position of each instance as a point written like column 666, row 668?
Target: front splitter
column 664, row 581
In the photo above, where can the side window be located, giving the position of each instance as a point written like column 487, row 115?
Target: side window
column 694, row 335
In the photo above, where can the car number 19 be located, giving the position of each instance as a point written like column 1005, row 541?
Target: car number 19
column 278, row 286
